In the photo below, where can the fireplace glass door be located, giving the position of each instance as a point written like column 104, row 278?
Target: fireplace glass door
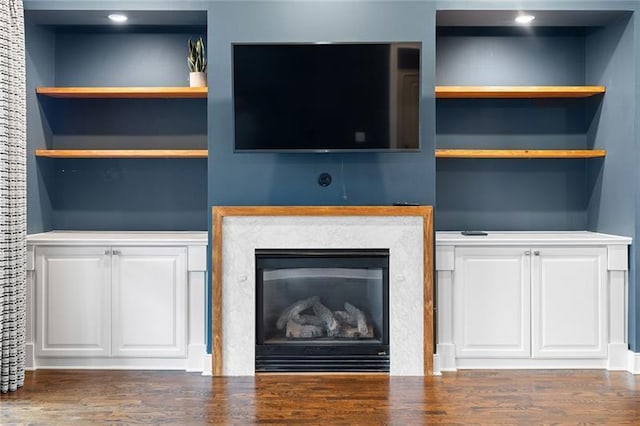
column 322, row 310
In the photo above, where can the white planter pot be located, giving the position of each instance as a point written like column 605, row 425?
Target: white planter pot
column 197, row 79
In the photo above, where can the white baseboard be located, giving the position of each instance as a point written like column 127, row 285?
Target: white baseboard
column 196, row 357
column 197, row 360
column 208, row 367
column 618, row 358
column 29, row 357
column 447, row 354
column 633, row 362
column 106, row 363
column 436, row 365
column 530, row 363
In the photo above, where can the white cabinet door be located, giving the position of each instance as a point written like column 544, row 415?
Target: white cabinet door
column 492, row 302
column 73, row 301
column 569, row 302
column 149, row 301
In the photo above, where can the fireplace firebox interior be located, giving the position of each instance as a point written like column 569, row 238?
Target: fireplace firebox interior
column 322, row 310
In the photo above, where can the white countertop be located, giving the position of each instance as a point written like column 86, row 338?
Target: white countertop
column 118, row 238
column 455, row 238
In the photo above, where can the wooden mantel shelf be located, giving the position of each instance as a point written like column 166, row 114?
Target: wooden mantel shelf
column 513, row 92
column 123, row 92
column 520, row 153
column 121, row 153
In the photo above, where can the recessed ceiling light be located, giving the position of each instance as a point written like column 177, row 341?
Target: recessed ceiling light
column 118, row 18
column 524, row 19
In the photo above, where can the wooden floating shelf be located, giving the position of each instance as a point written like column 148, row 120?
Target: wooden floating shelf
column 520, row 153
column 514, row 92
column 121, row 153
column 123, row 92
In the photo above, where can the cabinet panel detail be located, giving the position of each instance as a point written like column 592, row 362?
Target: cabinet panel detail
column 149, row 294
column 491, row 302
column 570, row 303
column 73, row 298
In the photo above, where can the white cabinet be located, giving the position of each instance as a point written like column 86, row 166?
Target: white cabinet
column 569, row 302
column 137, row 301
column 531, row 300
column 73, row 302
column 149, row 301
column 491, row 302
column 540, row 302
column 111, row 301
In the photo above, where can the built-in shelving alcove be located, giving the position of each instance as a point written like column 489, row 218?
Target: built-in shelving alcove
column 529, row 119
column 118, row 139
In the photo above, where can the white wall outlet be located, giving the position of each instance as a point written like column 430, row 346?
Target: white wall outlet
column 360, row 136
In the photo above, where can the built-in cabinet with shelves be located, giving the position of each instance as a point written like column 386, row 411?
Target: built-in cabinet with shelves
column 533, row 136
column 531, row 300
column 117, row 148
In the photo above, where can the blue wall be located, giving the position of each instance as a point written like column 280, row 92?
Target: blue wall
column 40, row 66
column 282, row 179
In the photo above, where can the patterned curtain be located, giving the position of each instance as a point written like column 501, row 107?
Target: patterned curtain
column 12, row 195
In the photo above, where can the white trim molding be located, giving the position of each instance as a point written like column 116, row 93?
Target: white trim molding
column 633, row 362
column 207, row 371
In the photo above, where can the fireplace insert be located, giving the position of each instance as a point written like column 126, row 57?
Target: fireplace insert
column 322, row 310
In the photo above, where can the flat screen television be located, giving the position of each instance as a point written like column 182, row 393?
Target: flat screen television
column 326, row 97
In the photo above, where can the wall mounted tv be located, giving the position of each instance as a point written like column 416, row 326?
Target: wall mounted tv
column 319, row 97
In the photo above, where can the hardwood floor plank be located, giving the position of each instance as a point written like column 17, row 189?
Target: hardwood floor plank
column 478, row 397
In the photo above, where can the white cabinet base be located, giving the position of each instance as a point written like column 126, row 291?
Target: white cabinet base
column 197, row 360
column 590, row 265
column 620, row 359
column 162, row 332
column 633, row 362
column 524, row 364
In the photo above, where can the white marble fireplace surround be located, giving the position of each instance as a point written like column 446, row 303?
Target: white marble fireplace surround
column 402, row 235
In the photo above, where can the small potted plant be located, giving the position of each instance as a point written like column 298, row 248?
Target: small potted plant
column 197, row 64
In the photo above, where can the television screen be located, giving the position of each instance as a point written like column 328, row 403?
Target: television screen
column 326, row 97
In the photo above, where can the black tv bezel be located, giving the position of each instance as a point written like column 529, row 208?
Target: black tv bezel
column 315, row 150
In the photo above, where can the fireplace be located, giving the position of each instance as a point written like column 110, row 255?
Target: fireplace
column 322, row 310
column 407, row 232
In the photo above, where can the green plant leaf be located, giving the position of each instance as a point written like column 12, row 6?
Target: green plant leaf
column 197, row 57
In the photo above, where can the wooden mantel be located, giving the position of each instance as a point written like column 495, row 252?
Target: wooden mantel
column 219, row 214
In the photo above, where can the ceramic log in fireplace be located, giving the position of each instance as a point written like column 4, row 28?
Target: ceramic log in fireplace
column 322, row 310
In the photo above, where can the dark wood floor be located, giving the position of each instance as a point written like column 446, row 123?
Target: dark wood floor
column 514, row 397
